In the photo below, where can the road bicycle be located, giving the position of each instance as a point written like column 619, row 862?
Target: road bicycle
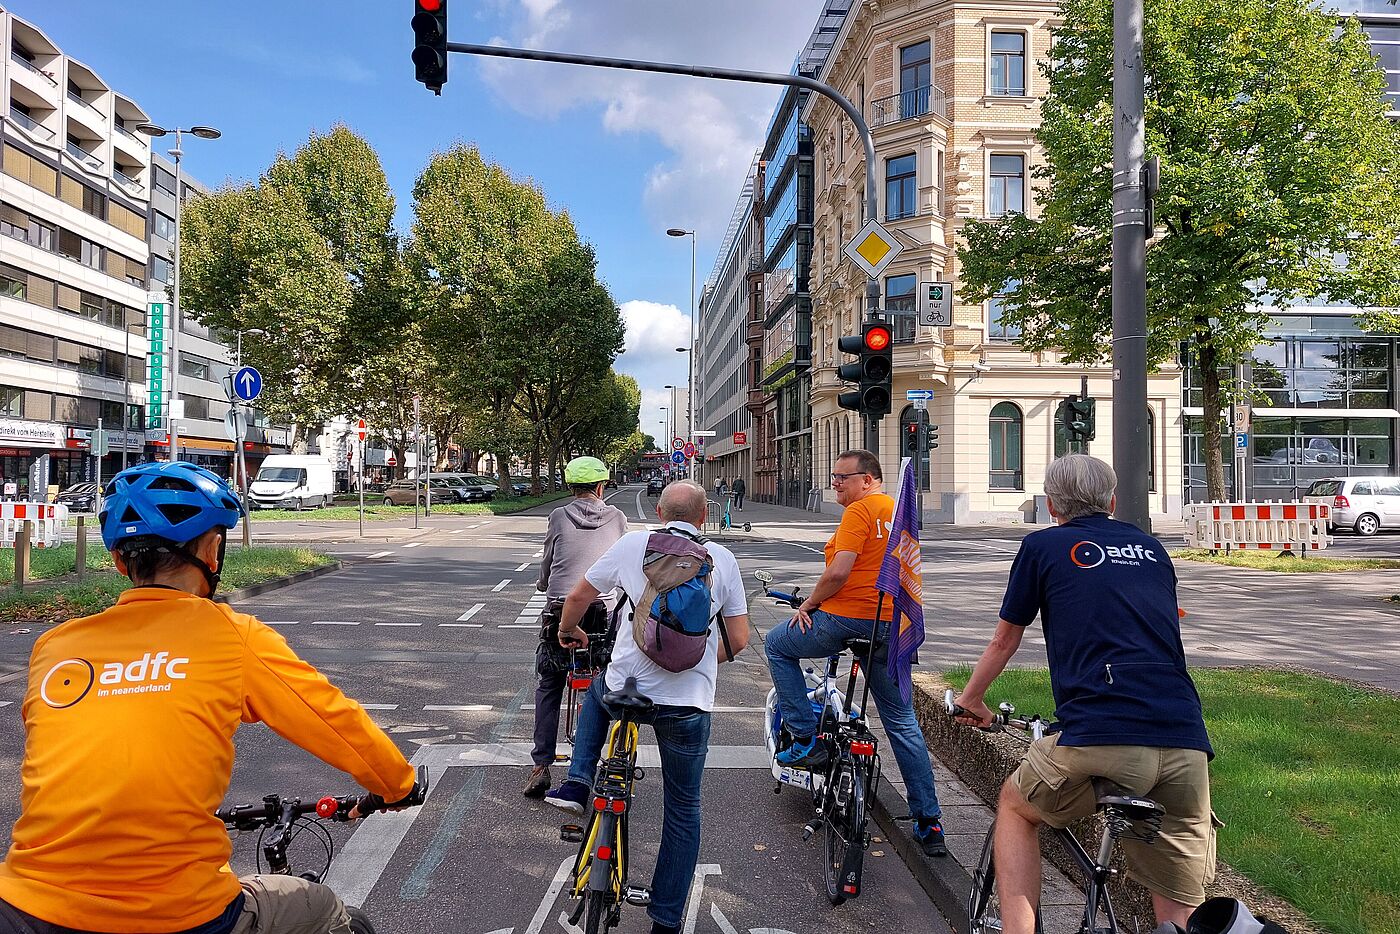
column 844, row 791
column 1125, row 816
column 280, row 821
column 599, row 878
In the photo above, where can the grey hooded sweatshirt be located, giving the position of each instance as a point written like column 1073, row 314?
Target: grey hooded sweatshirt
column 579, row 532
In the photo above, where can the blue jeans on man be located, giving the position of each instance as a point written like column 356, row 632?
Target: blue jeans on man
column 787, row 646
column 683, row 737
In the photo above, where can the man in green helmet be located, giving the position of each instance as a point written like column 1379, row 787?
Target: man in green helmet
column 579, row 533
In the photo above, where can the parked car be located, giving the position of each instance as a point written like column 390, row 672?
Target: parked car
column 655, row 485
column 401, row 492
column 522, row 485
column 470, row 481
column 1364, row 504
column 80, row 497
column 293, row 481
column 611, row 484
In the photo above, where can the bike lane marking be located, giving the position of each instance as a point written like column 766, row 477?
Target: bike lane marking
column 501, row 586
column 476, row 608
column 380, row 554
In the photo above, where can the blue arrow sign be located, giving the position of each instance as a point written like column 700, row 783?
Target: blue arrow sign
column 247, row 383
column 911, row 394
column 677, row 457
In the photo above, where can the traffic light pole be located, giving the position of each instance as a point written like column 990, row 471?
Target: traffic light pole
column 872, row 287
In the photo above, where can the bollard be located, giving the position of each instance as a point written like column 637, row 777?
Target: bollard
column 22, row 553
column 80, row 544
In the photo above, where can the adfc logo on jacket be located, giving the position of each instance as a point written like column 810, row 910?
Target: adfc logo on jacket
column 70, row 680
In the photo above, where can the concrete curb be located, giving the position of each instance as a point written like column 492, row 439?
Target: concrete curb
column 253, row 590
column 944, row 880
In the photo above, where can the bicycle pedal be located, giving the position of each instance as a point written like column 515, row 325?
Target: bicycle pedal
column 571, row 833
column 638, row 896
column 638, row 773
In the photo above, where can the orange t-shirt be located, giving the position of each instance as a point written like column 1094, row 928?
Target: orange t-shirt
column 129, row 722
column 864, row 529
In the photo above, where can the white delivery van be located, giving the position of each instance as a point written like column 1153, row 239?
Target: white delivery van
column 292, row 481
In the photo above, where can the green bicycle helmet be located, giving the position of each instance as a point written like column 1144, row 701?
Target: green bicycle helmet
column 585, row 470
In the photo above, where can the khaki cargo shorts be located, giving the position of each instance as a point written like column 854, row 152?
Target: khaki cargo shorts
column 275, row 904
column 1058, row 783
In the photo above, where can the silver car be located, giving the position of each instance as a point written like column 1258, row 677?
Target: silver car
column 1364, row 504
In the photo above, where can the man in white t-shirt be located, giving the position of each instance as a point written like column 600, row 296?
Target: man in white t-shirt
column 681, row 717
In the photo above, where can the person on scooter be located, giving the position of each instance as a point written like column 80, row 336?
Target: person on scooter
column 579, row 533
column 129, row 720
column 842, row 607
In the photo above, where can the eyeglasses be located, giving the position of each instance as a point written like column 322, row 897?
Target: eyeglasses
column 838, row 477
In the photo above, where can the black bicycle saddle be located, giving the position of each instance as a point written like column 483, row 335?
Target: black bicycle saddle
column 1134, row 807
column 628, row 699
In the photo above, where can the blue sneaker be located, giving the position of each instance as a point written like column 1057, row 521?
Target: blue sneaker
column 929, row 835
column 570, row 796
column 806, row 754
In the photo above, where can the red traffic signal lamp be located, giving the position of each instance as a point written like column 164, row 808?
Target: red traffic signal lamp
column 871, row 372
column 430, row 43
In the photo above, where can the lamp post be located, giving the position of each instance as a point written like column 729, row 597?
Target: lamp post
column 666, row 415
column 690, row 389
column 673, row 401
column 203, row 132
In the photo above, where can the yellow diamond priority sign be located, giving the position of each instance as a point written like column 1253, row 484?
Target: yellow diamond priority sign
column 873, row 249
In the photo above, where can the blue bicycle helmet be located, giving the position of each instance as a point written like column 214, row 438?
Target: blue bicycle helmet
column 162, row 506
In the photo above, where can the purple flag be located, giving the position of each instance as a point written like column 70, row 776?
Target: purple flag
column 902, row 580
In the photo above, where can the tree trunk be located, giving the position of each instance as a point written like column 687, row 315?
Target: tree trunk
column 1212, row 417
column 507, row 489
column 299, row 438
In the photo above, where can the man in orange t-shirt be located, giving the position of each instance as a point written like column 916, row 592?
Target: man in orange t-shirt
column 840, row 608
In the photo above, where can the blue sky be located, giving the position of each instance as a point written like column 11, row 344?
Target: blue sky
column 627, row 155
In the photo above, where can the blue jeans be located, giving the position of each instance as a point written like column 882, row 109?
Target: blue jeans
column 788, row 645
column 683, row 735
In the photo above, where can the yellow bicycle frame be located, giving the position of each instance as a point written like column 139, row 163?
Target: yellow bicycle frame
column 620, row 744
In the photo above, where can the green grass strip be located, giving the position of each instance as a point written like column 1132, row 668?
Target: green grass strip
column 376, row 510
column 243, row 568
column 1306, row 778
column 1285, row 564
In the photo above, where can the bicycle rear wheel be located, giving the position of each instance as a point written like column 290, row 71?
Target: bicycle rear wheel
column 359, row 921
column 595, row 920
column 984, row 904
column 845, row 834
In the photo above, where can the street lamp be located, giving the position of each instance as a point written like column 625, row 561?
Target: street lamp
column 690, row 393
column 666, row 415
column 203, row 132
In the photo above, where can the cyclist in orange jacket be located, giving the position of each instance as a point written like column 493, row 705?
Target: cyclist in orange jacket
column 137, row 706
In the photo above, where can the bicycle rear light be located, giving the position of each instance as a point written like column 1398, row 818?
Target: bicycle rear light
column 600, row 804
column 580, row 684
column 605, row 853
column 619, row 806
column 862, row 747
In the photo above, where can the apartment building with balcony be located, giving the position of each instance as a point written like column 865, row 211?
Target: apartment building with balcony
column 951, row 91
column 73, row 265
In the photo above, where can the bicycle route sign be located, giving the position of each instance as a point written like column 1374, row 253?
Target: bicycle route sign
column 677, row 457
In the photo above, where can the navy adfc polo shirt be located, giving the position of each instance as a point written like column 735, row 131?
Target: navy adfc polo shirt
column 1106, row 595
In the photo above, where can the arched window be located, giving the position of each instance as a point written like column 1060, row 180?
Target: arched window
column 906, row 418
column 1063, row 444
column 1005, row 462
column 1151, row 450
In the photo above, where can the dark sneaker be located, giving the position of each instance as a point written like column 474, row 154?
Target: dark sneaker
column 569, row 796
column 929, row 836
column 658, row 928
column 538, row 782
column 806, row 754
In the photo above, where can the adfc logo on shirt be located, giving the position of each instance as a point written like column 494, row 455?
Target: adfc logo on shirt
column 1088, row 554
column 70, row 680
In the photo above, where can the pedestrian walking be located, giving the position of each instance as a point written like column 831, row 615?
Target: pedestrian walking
column 740, row 488
column 579, row 532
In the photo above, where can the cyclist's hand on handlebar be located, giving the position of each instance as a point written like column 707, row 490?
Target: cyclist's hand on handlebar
column 972, row 711
column 576, row 639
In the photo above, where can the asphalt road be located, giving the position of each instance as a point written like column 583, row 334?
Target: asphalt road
column 436, row 636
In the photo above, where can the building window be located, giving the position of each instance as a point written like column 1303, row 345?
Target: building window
column 1005, row 462
column 997, row 329
column 1007, row 192
column 901, row 189
column 165, row 226
column 937, row 182
column 1151, row 451
column 907, row 418
column 163, row 181
column 196, row 406
column 899, row 305
column 915, row 76
column 1008, row 64
column 191, row 365
column 160, row 269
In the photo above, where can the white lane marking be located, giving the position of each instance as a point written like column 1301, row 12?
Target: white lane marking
column 279, row 622
column 737, row 709
column 380, row 554
column 380, row 706
column 331, row 622
column 398, row 624
column 518, row 626
column 474, row 707
column 697, row 888
column 538, row 554
column 5, row 703
column 555, row 887
column 456, row 532
column 516, row 754
column 462, row 625
column 501, row 586
column 640, row 517
column 476, row 608
column 414, row 545
column 524, row 566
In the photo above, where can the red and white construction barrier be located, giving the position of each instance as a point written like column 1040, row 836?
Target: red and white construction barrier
column 46, row 523
column 1266, row 526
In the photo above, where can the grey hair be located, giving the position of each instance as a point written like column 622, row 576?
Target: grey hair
column 683, row 500
column 1079, row 485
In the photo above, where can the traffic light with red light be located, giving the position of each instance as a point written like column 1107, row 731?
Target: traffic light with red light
column 430, row 43
column 871, row 372
column 911, row 438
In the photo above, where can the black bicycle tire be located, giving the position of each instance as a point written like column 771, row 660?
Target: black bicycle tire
column 570, row 699
column 359, row 921
column 593, row 918
column 847, row 829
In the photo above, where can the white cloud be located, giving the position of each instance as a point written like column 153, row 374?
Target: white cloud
column 711, row 127
column 654, row 331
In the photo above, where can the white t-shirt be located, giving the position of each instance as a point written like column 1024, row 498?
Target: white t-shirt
column 621, row 566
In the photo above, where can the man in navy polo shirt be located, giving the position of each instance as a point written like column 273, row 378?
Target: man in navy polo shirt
column 1127, row 708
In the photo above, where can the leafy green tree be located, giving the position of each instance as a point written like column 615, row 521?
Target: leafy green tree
column 1280, row 179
